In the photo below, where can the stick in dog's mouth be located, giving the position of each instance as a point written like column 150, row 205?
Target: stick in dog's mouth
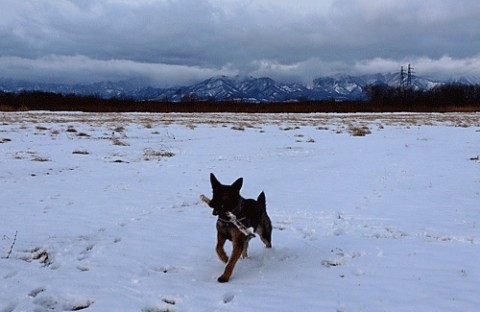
column 205, row 199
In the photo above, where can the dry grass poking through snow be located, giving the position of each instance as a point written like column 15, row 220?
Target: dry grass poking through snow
column 151, row 154
column 358, row 130
column 240, row 120
column 118, row 142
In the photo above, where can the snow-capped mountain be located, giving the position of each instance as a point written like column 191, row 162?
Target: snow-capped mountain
column 338, row 87
column 248, row 89
column 234, row 88
column 465, row 80
column 103, row 89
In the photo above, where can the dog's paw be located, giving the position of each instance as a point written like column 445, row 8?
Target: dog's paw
column 223, row 279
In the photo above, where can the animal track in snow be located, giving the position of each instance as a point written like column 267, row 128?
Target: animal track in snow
column 167, row 269
column 282, row 225
column 170, row 301
column 228, row 297
column 158, row 309
column 35, row 292
column 86, row 252
column 83, row 268
column 40, row 254
column 388, row 232
column 10, row 274
column 51, row 303
column 333, row 262
column 340, row 258
column 9, row 308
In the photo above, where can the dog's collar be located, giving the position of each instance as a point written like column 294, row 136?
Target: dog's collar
column 233, row 221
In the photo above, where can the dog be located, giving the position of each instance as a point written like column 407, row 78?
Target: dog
column 235, row 215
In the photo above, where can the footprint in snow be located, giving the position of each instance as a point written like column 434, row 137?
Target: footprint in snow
column 168, row 269
column 10, row 274
column 84, row 254
column 340, row 258
column 35, row 292
column 9, row 308
column 228, row 297
column 51, row 303
column 170, row 301
column 41, row 255
column 282, row 225
column 158, row 309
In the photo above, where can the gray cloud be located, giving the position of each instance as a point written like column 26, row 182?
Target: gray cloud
column 173, row 42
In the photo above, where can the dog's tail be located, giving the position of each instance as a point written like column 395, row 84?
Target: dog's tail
column 262, row 203
column 265, row 227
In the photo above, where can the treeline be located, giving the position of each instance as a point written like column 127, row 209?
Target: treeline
column 448, row 97
column 445, row 98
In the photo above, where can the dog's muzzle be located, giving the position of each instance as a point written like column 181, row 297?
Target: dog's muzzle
column 218, row 210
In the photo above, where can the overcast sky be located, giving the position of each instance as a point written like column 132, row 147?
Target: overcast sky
column 182, row 41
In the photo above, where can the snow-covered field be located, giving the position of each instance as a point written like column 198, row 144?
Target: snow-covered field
column 101, row 212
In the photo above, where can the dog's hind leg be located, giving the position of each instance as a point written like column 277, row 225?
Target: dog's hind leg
column 238, row 244
column 219, row 248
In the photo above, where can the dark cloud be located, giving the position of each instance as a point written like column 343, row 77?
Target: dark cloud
column 176, row 41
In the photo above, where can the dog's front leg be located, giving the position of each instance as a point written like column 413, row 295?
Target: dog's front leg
column 245, row 246
column 238, row 244
column 219, row 248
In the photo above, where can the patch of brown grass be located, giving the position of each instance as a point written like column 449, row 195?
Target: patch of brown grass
column 81, row 152
column 71, row 129
column 151, row 154
column 358, row 130
column 83, row 134
column 40, row 158
column 41, row 128
column 238, row 128
column 118, row 142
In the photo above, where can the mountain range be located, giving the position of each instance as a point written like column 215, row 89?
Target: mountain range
column 247, row 89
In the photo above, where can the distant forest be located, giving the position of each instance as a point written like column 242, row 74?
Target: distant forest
column 445, row 98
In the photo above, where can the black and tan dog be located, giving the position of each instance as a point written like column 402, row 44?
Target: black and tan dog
column 247, row 213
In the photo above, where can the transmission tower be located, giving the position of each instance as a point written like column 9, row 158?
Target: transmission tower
column 410, row 73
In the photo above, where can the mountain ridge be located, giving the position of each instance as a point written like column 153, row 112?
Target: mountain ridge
column 247, row 89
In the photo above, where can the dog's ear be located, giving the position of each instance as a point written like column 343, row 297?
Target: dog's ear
column 261, row 199
column 214, row 181
column 237, row 185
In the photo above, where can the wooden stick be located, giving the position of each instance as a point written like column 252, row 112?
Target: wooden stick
column 205, row 199
column 239, row 225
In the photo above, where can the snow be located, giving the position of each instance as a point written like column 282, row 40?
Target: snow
column 108, row 218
